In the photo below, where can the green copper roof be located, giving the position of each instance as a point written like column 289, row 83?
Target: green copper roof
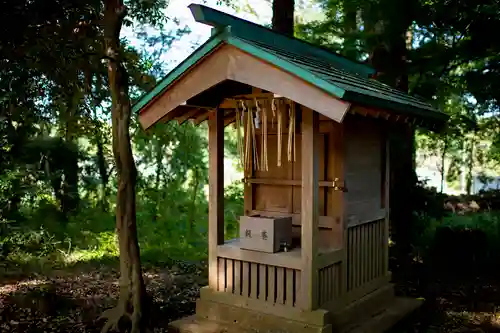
column 254, row 32
column 334, row 74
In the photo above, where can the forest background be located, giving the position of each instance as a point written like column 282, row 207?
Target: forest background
column 58, row 179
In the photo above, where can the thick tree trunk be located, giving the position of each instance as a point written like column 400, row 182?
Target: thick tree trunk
column 70, row 195
column 350, row 27
column 283, row 16
column 388, row 54
column 131, row 305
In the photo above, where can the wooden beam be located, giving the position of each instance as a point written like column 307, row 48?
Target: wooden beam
column 181, row 119
column 229, row 119
column 310, row 209
column 294, row 182
column 216, row 192
column 201, row 118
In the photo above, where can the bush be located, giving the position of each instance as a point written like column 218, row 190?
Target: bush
column 169, row 231
column 461, row 245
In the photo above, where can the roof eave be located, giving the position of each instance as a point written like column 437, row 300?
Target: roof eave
column 428, row 114
column 201, row 52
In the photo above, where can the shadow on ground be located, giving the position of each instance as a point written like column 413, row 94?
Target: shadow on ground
column 71, row 300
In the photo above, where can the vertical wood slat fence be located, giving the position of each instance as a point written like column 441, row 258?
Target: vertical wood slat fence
column 366, row 255
column 272, row 284
column 330, row 283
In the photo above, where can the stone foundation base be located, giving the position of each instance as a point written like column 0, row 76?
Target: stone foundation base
column 374, row 313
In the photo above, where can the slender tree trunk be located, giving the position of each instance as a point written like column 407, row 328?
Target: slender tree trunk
column 196, row 185
column 283, row 11
column 103, row 172
column 70, row 195
column 470, row 165
column 159, row 171
column 443, row 157
column 133, row 297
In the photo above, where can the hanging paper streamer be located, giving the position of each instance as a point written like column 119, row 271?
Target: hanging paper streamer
column 294, row 128
column 290, row 133
column 248, row 141
column 264, row 161
column 239, row 139
column 254, row 139
column 273, row 108
column 280, row 129
column 257, row 114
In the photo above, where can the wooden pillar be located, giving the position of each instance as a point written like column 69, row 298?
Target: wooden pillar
column 216, row 192
column 309, row 209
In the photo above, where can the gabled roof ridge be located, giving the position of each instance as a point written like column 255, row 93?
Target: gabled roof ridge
column 247, row 30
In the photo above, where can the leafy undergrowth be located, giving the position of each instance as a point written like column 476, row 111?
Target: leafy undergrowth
column 72, row 300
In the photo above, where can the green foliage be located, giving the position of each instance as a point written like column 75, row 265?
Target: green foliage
column 179, row 232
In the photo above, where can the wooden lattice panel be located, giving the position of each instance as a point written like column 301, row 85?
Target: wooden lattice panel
column 366, row 253
column 273, row 284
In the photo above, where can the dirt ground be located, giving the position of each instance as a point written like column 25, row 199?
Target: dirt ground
column 72, row 300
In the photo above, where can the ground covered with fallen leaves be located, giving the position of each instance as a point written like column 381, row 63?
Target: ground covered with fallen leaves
column 71, row 300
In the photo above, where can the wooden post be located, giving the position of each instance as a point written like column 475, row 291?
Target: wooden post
column 309, row 209
column 216, row 192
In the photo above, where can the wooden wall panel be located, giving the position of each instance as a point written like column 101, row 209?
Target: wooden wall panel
column 363, row 174
column 282, row 199
column 297, row 174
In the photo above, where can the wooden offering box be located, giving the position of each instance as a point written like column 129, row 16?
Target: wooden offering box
column 314, row 135
column 266, row 234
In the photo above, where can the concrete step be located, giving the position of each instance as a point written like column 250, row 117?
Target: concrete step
column 193, row 324
column 389, row 313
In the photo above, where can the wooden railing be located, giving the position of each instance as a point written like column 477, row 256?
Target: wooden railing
column 272, row 284
column 366, row 253
column 330, row 283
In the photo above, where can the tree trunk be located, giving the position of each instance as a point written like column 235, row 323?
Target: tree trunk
column 70, row 195
column 387, row 48
column 470, row 165
column 283, row 16
column 103, row 171
column 443, row 156
column 130, row 313
column 196, row 185
column 159, row 172
column 350, row 27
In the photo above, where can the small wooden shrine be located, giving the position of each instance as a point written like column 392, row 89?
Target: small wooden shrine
column 312, row 131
